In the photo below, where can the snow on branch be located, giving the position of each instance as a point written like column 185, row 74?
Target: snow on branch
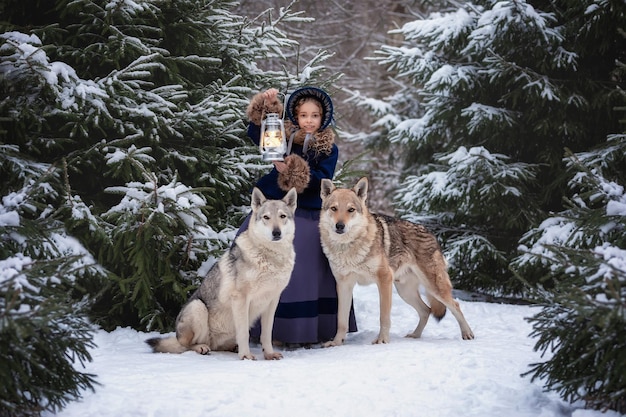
column 506, row 14
column 439, row 29
column 471, row 173
column 481, row 114
column 23, row 60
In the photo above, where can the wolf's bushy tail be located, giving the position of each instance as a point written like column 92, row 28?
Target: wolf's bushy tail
column 166, row 345
column 437, row 308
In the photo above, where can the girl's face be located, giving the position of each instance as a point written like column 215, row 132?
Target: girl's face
column 309, row 116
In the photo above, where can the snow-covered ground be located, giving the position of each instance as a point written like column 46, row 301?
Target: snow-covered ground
column 437, row 375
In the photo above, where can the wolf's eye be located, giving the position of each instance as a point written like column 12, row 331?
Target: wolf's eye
column 283, row 216
column 266, row 217
column 333, row 208
column 351, row 210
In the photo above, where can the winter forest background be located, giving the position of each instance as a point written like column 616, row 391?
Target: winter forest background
column 126, row 171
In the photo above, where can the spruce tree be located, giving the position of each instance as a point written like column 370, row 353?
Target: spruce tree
column 580, row 328
column 45, row 335
column 506, row 85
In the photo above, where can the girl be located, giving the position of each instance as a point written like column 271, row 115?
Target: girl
column 307, row 312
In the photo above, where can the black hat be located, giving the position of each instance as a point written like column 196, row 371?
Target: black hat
column 317, row 93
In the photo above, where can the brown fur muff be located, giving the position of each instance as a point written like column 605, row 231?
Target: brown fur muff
column 259, row 106
column 297, row 174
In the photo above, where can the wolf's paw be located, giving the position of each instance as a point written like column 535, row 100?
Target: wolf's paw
column 468, row 335
column 332, row 343
column 414, row 335
column 380, row 339
column 201, row 348
column 274, row 356
column 248, row 355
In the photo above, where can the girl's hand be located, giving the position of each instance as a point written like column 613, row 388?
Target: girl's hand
column 270, row 94
column 280, row 166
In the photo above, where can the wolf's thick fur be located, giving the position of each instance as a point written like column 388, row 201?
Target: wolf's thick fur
column 365, row 248
column 244, row 284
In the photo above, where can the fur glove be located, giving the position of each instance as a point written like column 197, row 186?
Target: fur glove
column 259, row 107
column 297, row 174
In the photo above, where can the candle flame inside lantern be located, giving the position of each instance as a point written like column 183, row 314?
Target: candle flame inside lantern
column 272, row 138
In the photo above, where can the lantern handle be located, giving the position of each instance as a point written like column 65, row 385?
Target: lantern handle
column 284, row 106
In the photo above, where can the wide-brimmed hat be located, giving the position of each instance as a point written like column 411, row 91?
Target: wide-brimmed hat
column 317, row 93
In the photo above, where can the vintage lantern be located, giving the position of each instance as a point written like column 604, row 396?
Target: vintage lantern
column 273, row 143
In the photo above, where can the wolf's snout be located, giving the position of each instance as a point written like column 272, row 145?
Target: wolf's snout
column 276, row 234
column 340, row 227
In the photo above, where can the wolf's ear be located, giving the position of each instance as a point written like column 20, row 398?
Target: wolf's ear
column 291, row 199
column 257, row 199
column 361, row 188
column 326, row 188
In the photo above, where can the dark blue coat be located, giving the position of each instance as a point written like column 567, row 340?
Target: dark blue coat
column 321, row 166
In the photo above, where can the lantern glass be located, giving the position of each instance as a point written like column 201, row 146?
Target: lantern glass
column 273, row 143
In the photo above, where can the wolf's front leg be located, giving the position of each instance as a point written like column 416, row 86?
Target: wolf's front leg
column 267, row 326
column 344, row 301
column 241, row 307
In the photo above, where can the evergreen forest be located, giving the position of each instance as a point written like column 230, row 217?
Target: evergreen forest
column 126, row 171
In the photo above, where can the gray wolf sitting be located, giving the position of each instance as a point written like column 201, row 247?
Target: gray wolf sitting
column 245, row 283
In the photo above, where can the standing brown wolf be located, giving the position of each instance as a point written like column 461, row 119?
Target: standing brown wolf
column 370, row 248
column 244, row 284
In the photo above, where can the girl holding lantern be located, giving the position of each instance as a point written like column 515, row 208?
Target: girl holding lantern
column 307, row 312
